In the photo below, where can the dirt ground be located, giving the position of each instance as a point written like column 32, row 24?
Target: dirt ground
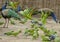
column 21, row 38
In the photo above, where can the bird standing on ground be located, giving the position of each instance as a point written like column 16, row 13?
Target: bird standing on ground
column 7, row 14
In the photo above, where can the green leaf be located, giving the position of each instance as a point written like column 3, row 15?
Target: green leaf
column 0, row 16
column 27, row 13
column 57, row 39
column 12, row 22
column 23, row 20
column 45, row 38
column 8, row 33
column 1, row 23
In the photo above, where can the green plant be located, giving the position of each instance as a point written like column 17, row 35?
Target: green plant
column 27, row 13
column 12, row 22
column 0, row 16
column 32, row 32
column 1, row 23
column 44, row 16
column 14, row 33
column 8, row 33
column 49, row 35
column 57, row 39
column 45, row 38
column 23, row 20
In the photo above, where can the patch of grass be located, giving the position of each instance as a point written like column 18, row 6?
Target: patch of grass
column 12, row 22
column 1, row 23
column 23, row 21
column 57, row 39
column 0, row 16
column 13, row 33
column 0, row 38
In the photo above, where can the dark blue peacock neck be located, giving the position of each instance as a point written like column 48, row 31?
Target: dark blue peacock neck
column 4, row 6
column 53, row 16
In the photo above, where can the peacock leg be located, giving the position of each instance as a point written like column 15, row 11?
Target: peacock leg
column 5, row 23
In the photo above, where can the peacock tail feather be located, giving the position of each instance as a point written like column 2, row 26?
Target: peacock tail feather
column 13, row 14
column 10, row 13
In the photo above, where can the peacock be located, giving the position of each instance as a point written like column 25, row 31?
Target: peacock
column 7, row 14
column 45, row 13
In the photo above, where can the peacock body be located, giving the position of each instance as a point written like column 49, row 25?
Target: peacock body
column 8, row 13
